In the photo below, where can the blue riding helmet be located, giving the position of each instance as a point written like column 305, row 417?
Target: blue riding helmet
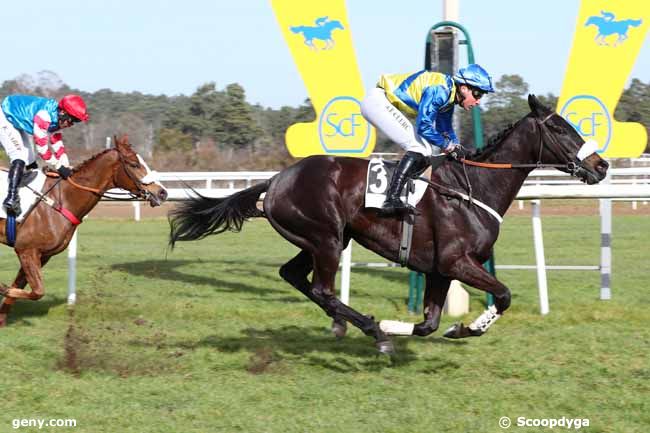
column 474, row 75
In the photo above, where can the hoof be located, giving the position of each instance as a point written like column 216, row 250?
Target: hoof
column 339, row 328
column 386, row 347
column 459, row 330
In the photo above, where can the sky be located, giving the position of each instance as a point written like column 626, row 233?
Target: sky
column 173, row 47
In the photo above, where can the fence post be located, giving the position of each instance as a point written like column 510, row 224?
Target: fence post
column 605, row 248
column 538, row 239
column 72, row 269
column 345, row 274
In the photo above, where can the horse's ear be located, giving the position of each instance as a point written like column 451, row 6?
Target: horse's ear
column 538, row 109
column 123, row 146
column 125, row 140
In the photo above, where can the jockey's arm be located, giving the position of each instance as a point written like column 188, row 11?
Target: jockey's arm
column 55, row 156
column 433, row 99
column 445, row 126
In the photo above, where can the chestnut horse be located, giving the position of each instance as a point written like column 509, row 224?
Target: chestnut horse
column 48, row 228
column 318, row 205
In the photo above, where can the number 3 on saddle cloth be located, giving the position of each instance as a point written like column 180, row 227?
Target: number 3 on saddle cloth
column 379, row 174
column 35, row 179
column 377, row 180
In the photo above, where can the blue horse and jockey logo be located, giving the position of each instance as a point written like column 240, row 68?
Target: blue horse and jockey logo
column 321, row 31
column 607, row 26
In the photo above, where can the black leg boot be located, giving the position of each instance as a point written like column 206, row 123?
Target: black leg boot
column 12, row 202
column 411, row 164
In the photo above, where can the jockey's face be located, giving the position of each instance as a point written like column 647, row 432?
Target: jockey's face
column 66, row 120
column 470, row 97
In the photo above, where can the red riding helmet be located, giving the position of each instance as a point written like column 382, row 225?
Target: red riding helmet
column 75, row 106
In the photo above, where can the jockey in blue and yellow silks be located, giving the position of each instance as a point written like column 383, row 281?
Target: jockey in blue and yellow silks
column 430, row 98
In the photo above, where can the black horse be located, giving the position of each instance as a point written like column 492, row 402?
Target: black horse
column 318, row 205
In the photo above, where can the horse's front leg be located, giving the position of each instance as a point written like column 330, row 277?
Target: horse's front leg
column 434, row 300
column 470, row 271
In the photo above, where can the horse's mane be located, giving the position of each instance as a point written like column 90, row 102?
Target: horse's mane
column 495, row 140
column 91, row 159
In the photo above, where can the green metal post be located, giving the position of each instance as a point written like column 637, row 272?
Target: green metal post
column 416, row 287
column 413, row 300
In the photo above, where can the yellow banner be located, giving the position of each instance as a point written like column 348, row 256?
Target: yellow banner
column 318, row 35
column 608, row 38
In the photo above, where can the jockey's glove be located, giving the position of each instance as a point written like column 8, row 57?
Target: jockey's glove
column 64, row 172
column 456, row 151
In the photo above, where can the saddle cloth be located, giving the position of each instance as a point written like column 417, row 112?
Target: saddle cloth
column 378, row 178
column 34, row 178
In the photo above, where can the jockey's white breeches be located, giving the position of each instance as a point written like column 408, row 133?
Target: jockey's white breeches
column 17, row 144
column 379, row 111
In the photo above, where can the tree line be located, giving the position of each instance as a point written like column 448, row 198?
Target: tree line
column 217, row 129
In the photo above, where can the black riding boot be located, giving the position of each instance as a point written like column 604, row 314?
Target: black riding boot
column 12, row 202
column 411, row 165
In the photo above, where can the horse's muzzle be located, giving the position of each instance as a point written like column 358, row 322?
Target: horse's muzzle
column 157, row 197
column 592, row 169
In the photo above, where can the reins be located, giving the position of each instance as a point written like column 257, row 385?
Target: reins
column 539, row 164
column 75, row 184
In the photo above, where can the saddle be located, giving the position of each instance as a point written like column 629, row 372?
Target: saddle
column 33, row 179
column 377, row 181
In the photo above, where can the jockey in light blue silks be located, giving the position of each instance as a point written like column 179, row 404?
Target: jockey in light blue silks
column 429, row 97
column 27, row 120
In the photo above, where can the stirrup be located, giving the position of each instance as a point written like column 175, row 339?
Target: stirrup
column 12, row 207
column 389, row 209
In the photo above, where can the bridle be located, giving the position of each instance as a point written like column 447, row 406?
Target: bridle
column 570, row 166
column 142, row 192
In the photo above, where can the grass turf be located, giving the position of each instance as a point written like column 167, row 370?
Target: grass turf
column 210, row 339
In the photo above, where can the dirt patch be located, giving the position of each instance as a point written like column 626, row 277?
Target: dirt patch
column 263, row 360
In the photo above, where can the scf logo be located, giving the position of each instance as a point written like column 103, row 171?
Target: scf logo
column 342, row 128
column 589, row 116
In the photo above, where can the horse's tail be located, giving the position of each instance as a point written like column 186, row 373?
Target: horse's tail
column 635, row 23
column 202, row 216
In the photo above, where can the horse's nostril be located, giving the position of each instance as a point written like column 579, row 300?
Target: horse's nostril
column 162, row 194
column 602, row 167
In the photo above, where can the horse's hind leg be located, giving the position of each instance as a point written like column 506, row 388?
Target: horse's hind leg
column 19, row 283
column 295, row 272
column 31, row 263
column 326, row 262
